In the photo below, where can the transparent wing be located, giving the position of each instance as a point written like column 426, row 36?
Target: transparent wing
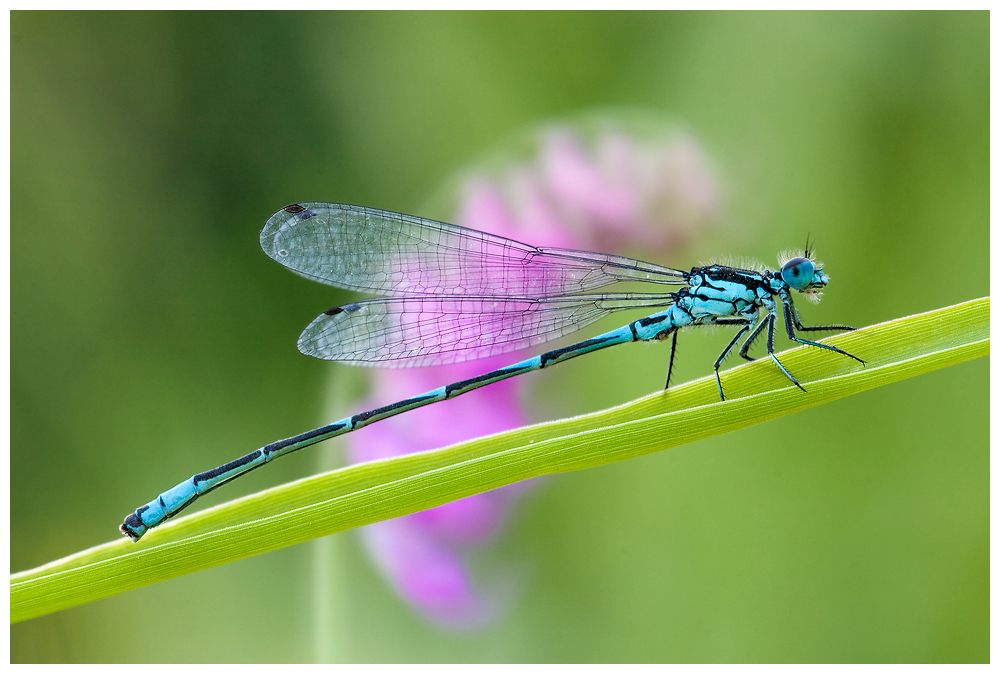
column 418, row 331
column 392, row 254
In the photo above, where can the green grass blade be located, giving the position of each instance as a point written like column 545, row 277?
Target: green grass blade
column 371, row 492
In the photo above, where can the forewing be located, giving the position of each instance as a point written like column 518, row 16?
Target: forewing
column 387, row 253
column 408, row 332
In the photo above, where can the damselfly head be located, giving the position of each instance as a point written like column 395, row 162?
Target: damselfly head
column 804, row 275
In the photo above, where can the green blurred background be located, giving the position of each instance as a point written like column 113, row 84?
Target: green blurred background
column 151, row 338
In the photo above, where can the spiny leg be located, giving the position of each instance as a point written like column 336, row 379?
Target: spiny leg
column 810, row 328
column 787, row 301
column 745, row 349
column 725, row 352
column 670, row 365
column 791, row 317
column 770, row 349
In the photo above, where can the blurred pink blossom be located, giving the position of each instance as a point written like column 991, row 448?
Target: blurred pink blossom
column 617, row 194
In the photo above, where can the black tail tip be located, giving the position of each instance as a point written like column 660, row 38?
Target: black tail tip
column 132, row 527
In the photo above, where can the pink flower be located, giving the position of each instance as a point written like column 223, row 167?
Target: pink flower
column 619, row 193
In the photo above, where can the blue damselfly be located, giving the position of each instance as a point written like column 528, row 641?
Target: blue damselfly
column 454, row 294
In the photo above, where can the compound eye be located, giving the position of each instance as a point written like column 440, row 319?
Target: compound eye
column 798, row 272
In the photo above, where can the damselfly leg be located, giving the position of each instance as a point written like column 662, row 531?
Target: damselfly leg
column 729, row 347
column 792, row 318
column 771, row 318
column 670, row 363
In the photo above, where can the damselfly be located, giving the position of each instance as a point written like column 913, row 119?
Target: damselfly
column 455, row 294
